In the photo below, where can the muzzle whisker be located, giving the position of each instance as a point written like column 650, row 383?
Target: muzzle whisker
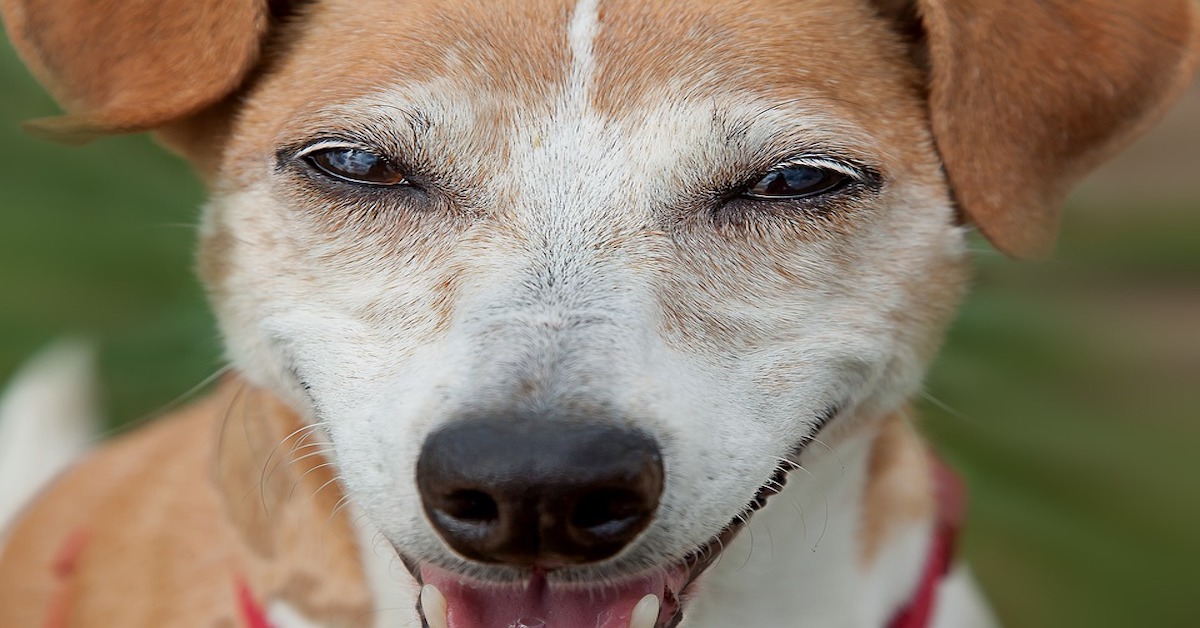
column 340, row 504
column 268, row 472
column 823, row 444
column 319, row 452
column 945, row 407
column 824, row 527
column 226, row 415
column 803, row 521
column 300, row 479
column 327, row 483
column 166, row 407
column 302, row 441
column 745, row 522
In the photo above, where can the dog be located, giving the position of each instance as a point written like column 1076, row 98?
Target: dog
column 571, row 314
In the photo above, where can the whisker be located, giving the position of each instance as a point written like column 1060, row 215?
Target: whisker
column 233, row 399
column 823, row 444
column 789, row 465
column 945, row 407
column 268, row 472
column 824, row 527
column 803, row 522
column 302, row 441
column 165, row 408
column 745, row 522
column 300, row 480
column 320, row 452
column 325, row 485
column 339, row 505
column 300, row 448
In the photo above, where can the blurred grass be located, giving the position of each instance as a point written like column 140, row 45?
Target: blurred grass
column 1069, row 395
column 1068, row 392
column 98, row 242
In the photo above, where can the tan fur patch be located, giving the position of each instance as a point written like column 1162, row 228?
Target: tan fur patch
column 175, row 513
column 899, row 488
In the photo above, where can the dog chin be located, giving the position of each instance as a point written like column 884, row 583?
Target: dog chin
column 545, row 597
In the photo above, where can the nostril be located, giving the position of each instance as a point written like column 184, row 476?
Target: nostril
column 527, row 491
column 471, row 506
column 608, row 512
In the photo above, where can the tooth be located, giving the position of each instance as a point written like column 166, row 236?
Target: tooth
column 645, row 614
column 433, row 606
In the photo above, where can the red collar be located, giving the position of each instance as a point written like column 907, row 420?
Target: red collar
column 253, row 615
column 951, row 496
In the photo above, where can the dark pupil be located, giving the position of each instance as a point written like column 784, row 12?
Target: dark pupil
column 795, row 181
column 357, row 165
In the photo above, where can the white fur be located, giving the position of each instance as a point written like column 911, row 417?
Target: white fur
column 394, row 591
column 894, row 578
column 960, row 603
column 48, row 417
column 794, row 563
column 283, row 615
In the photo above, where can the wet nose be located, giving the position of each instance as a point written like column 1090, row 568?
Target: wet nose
column 539, row 493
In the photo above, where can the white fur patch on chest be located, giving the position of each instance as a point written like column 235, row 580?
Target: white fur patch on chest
column 283, row 615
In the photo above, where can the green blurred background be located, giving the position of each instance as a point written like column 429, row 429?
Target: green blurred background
column 1068, row 393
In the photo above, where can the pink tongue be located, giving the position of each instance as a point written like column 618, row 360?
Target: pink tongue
column 535, row 604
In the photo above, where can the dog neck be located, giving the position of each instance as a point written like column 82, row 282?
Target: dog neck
column 842, row 545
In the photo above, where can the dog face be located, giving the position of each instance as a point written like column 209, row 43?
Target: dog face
column 520, row 223
column 709, row 230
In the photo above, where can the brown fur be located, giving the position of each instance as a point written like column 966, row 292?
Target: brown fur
column 899, row 486
column 121, row 67
column 180, row 512
column 1019, row 119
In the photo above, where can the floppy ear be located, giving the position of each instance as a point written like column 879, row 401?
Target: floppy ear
column 1026, row 96
column 121, row 66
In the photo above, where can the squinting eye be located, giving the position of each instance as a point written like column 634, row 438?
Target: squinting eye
column 355, row 165
column 796, row 181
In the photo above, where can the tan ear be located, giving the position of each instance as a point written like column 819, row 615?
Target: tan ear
column 120, row 66
column 1027, row 96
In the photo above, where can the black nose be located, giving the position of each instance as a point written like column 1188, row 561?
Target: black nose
column 545, row 493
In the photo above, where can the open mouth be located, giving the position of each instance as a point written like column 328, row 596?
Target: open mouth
column 653, row 599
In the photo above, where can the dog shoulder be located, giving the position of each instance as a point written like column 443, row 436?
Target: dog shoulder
column 99, row 524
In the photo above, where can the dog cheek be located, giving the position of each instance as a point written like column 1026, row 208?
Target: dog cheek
column 705, row 429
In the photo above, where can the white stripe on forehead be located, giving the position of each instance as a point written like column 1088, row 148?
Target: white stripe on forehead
column 585, row 23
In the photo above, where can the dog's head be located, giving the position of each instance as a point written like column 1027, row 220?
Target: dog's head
column 570, row 284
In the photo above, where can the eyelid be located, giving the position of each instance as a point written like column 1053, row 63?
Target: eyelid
column 321, row 145
column 817, row 161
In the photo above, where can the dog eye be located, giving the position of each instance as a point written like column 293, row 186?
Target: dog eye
column 355, row 165
column 797, row 181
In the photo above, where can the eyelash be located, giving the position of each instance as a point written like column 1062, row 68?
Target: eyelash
column 816, row 161
column 320, row 145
